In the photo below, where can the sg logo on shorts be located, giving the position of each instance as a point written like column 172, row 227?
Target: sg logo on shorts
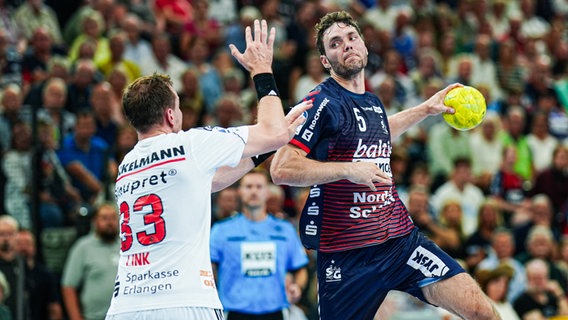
column 427, row 262
column 332, row 273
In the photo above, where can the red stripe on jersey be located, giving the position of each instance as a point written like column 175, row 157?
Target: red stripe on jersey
column 300, row 145
column 149, row 167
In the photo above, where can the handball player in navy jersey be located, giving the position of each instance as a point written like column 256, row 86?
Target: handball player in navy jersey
column 366, row 241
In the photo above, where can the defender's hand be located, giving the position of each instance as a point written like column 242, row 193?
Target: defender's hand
column 296, row 118
column 259, row 52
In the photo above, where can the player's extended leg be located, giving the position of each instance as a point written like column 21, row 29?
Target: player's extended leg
column 462, row 296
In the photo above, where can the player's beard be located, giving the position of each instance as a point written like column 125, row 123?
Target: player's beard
column 348, row 70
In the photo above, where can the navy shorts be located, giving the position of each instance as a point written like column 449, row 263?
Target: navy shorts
column 353, row 283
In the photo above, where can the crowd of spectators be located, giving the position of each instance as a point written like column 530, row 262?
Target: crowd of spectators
column 495, row 197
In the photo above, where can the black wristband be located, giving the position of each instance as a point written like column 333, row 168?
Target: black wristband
column 257, row 160
column 265, row 85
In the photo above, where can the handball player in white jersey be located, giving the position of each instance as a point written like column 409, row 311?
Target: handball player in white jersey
column 164, row 185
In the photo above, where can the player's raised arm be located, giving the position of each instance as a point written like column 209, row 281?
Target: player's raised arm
column 226, row 176
column 271, row 130
column 400, row 122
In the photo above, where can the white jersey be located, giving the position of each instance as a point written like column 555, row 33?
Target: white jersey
column 163, row 190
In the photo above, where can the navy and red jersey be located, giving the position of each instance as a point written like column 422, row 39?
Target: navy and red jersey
column 343, row 126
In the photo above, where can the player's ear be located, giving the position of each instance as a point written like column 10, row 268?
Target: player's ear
column 325, row 62
column 170, row 117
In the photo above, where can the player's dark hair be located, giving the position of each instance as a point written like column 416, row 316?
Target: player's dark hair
column 146, row 99
column 328, row 20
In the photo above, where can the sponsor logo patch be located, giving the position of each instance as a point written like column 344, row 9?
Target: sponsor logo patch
column 427, row 262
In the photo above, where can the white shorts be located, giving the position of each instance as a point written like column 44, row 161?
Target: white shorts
column 181, row 313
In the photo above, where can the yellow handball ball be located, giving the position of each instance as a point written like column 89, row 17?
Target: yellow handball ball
column 470, row 108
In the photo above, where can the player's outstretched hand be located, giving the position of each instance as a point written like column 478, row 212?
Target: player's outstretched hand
column 367, row 173
column 258, row 54
column 436, row 102
column 295, row 116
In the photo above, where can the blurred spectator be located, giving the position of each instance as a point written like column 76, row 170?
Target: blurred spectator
column 202, row 26
column 495, row 284
column 541, row 214
column 553, row 182
column 227, row 203
column 478, row 245
column 126, row 139
column 136, row 46
column 557, row 116
column 532, row 26
column 416, row 139
column 224, row 11
column 228, row 112
column 541, row 244
column 382, row 15
column 510, row 74
column 58, row 198
column 162, row 60
column 468, row 25
column 404, row 37
column 392, row 65
column 80, row 85
column 12, row 112
column 33, row 14
column 313, row 74
column 53, row 111
column 428, row 68
column 107, row 126
column 234, row 33
column 11, row 61
column 387, row 91
column 420, row 212
column 560, row 61
column 487, row 155
column 484, row 68
column 90, row 269
column 16, row 165
column 451, row 218
column 44, row 299
column 539, row 82
column 502, row 251
column 57, row 67
column 497, row 16
column 563, row 255
column 73, row 26
column 464, row 70
column 37, row 56
column 507, row 188
column 543, row 297
column 8, row 25
column 447, row 50
column 12, row 267
column 514, row 135
column 190, row 96
column 172, row 15
column 88, row 160
column 210, row 80
column 300, row 30
column 117, row 45
column 118, row 81
column 268, row 249
column 275, row 202
column 541, row 142
column 5, row 312
column 92, row 28
column 444, row 146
